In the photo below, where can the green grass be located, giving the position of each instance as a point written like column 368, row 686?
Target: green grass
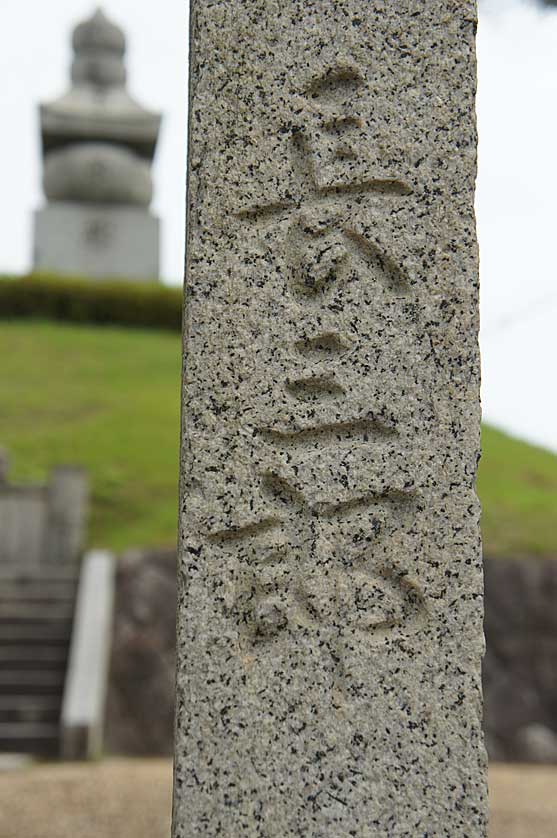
column 105, row 398
column 108, row 398
column 517, row 484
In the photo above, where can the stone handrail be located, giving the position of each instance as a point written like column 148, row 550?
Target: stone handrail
column 87, row 674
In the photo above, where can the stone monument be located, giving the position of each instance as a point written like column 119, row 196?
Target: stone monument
column 330, row 605
column 98, row 145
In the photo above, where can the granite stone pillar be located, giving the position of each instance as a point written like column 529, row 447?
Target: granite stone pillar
column 330, row 611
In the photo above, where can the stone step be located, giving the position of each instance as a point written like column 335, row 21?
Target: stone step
column 16, row 681
column 29, row 738
column 26, row 708
column 33, row 656
column 43, row 591
column 39, row 634
column 18, row 612
column 47, row 572
column 36, row 616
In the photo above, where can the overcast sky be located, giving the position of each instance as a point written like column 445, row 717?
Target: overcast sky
column 517, row 183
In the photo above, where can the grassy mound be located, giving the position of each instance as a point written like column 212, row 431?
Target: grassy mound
column 108, row 398
column 517, row 484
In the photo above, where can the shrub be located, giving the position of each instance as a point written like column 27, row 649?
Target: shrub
column 121, row 302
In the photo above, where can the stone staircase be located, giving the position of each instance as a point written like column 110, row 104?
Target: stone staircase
column 36, row 615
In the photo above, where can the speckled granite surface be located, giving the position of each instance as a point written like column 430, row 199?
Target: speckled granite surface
column 330, row 629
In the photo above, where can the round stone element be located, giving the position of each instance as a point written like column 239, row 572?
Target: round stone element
column 97, row 173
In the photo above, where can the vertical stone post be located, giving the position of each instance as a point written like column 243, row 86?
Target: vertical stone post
column 67, row 498
column 330, row 614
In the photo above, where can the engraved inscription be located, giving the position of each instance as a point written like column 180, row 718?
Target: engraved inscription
column 97, row 232
column 337, row 479
column 350, row 588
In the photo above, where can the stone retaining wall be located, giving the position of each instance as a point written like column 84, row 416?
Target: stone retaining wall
column 140, row 704
column 520, row 667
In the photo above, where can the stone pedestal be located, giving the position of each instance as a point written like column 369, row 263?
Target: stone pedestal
column 330, row 605
column 97, row 240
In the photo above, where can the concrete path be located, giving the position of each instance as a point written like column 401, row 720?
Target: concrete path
column 109, row 799
column 131, row 799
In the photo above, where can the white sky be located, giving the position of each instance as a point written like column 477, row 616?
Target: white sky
column 517, row 219
column 517, row 182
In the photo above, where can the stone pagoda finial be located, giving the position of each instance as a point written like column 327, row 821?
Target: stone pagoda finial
column 99, row 46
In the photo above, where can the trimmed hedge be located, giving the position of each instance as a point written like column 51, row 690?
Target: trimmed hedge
column 121, row 302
